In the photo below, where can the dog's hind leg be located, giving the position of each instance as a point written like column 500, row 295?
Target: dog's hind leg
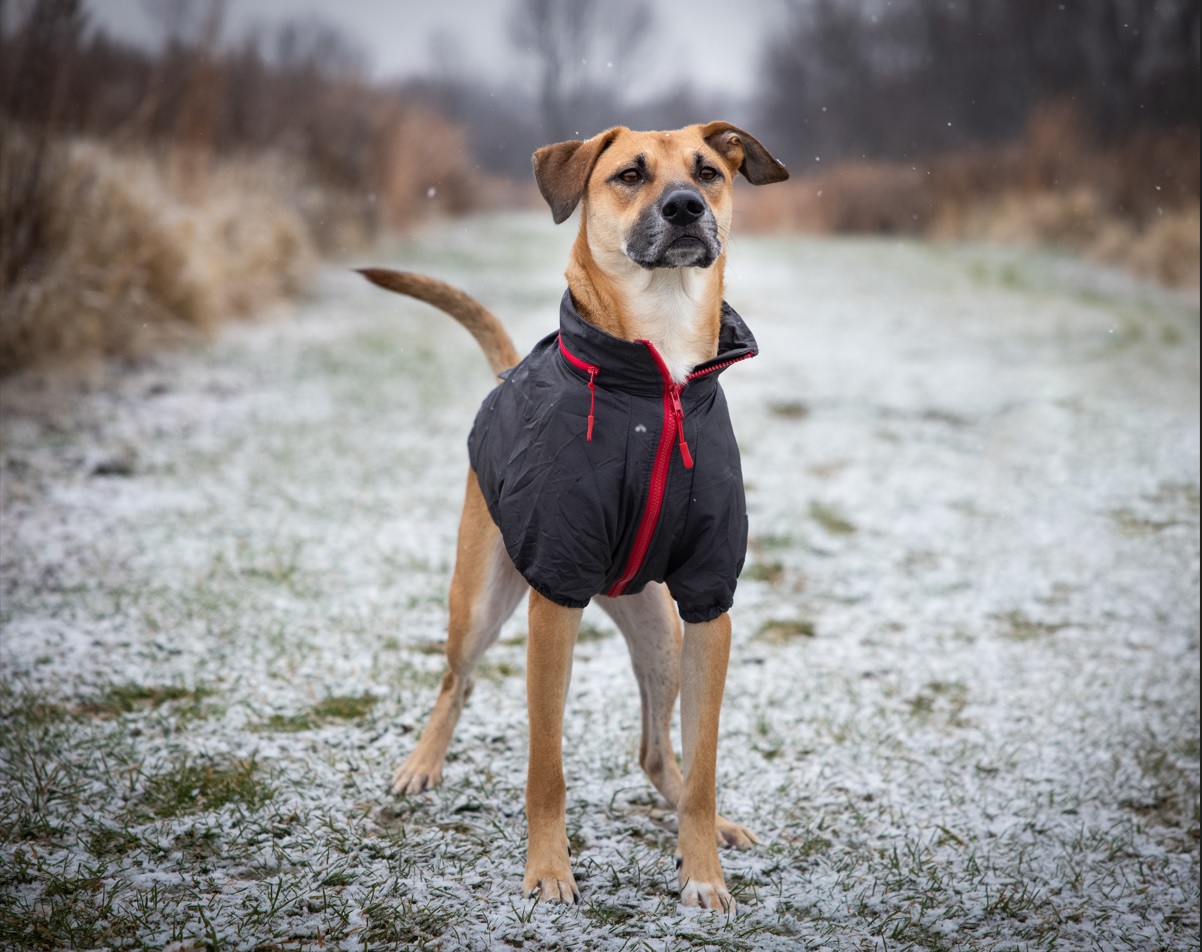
column 485, row 589
column 649, row 623
column 651, row 627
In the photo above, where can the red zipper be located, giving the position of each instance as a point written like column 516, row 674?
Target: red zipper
column 678, row 412
column 721, row 366
column 655, row 502
column 674, row 412
column 673, row 426
column 592, row 372
column 673, row 420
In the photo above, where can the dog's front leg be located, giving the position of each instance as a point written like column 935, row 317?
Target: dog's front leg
column 549, row 649
column 703, row 662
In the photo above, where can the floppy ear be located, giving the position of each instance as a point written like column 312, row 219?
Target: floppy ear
column 744, row 152
column 562, row 171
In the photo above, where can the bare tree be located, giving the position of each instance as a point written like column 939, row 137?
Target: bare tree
column 311, row 44
column 186, row 23
column 907, row 77
column 38, row 41
column 574, row 43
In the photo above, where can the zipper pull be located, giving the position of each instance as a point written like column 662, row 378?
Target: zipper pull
column 685, row 456
column 592, row 403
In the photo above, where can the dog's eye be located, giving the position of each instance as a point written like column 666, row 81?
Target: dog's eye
column 630, row 176
column 707, row 174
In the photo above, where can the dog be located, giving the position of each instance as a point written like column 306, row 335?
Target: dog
column 637, row 503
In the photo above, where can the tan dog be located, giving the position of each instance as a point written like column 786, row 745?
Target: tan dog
column 646, row 266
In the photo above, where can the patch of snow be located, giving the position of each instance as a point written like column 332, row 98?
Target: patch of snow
column 983, row 502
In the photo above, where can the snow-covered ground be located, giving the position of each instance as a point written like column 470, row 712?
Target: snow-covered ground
column 962, row 710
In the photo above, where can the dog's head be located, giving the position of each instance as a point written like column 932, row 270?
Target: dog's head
column 660, row 199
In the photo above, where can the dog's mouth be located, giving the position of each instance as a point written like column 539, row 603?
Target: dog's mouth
column 689, row 250
column 670, row 248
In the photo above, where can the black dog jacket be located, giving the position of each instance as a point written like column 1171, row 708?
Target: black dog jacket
column 603, row 474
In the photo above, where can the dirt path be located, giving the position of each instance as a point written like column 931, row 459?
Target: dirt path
column 962, row 709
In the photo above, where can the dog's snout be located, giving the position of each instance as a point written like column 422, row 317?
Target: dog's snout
column 683, row 206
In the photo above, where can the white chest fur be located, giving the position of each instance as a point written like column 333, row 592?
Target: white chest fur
column 668, row 308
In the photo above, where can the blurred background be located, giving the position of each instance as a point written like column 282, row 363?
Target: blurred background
column 165, row 164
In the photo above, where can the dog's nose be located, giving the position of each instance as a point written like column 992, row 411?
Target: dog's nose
column 682, row 206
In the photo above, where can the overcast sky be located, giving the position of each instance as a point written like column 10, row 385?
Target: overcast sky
column 704, row 44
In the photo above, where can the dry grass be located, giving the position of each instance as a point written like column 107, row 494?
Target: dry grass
column 1166, row 249
column 132, row 250
column 1133, row 204
column 148, row 196
column 129, row 256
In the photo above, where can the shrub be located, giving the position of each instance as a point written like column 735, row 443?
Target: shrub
column 127, row 254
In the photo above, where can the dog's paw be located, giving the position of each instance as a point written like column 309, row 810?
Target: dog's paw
column 548, row 875
column 734, row 835
column 707, row 896
column 413, row 777
column 551, row 887
column 701, row 882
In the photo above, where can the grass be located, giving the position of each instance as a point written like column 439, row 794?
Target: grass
column 195, row 262
column 205, row 786
column 943, row 700
column 789, row 409
column 1019, row 626
column 994, row 747
column 128, row 698
column 346, row 708
column 831, row 519
column 772, row 571
column 776, row 631
column 1054, row 187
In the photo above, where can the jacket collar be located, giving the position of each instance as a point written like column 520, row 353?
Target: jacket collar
column 631, row 365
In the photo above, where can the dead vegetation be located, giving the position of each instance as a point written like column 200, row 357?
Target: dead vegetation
column 127, row 259
column 143, row 198
column 1132, row 204
column 1072, row 124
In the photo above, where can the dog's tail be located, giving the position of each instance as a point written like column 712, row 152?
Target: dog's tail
column 489, row 332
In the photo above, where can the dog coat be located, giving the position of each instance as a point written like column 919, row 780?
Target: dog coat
column 603, row 474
